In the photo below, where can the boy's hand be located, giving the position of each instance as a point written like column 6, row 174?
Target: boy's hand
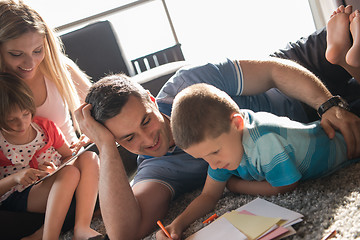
column 174, row 233
column 29, row 176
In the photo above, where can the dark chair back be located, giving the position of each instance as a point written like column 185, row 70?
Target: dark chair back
column 171, row 54
column 95, row 49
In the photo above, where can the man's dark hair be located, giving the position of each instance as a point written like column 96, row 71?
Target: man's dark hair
column 111, row 93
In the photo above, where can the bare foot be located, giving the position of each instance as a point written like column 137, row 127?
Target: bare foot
column 353, row 55
column 36, row 235
column 338, row 37
column 85, row 233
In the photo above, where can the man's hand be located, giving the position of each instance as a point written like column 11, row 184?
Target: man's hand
column 95, row 131
column 348, row 124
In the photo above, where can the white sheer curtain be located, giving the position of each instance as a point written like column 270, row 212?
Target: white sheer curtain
column 321, row 11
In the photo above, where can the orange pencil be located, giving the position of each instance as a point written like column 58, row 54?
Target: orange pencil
column 213, row 217
column 330, row 235
column 164, row 229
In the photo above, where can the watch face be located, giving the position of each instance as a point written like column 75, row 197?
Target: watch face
column 343, row 103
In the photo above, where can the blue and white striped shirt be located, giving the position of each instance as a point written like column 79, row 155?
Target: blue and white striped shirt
column 282, row 151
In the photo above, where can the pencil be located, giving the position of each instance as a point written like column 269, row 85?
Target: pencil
column 213, row 217
column 164, row 229
column 330, row 235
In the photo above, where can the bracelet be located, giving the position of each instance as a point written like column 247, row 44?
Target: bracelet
column 333, row 101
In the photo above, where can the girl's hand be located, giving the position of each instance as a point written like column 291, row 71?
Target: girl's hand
column 83, row 141
column 29, row 176
column 48, row 167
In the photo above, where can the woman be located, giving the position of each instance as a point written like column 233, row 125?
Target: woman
column 30, row 50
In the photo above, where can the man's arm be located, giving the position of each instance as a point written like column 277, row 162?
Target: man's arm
column 201, row 205
column 117, row 202
column 127, row 213
column 297, row 82
column 289, row 77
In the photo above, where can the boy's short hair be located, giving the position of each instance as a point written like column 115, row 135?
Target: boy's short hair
column 109, row 95
column 201, row 111
column 14, row 92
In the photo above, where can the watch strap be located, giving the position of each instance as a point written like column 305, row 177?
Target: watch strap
column 333, row 101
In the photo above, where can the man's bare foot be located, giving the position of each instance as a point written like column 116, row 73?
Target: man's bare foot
column 353, row 55
column 338, row 35
column 85, row 233
column 36, row 235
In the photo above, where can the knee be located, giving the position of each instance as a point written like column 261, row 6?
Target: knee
column 88, row 160
column 71, row 173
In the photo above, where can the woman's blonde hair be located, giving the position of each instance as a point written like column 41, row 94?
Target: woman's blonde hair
column 17, row 18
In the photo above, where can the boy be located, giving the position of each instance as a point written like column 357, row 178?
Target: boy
column 266, row 154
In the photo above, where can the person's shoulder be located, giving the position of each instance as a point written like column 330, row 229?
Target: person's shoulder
column 260, row 126
column 204, row 66
column 196, row 72
column 43, row 122
column 267, row 119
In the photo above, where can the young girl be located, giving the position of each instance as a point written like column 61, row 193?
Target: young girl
column 30, row 148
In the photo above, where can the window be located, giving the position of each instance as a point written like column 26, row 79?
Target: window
column 207, row 29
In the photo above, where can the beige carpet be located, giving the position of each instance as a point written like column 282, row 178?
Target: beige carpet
column 331, row 203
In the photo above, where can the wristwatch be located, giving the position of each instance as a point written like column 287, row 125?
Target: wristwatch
column 334, row 101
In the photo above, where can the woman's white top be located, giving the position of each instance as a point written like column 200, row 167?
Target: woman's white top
column 56, row 110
